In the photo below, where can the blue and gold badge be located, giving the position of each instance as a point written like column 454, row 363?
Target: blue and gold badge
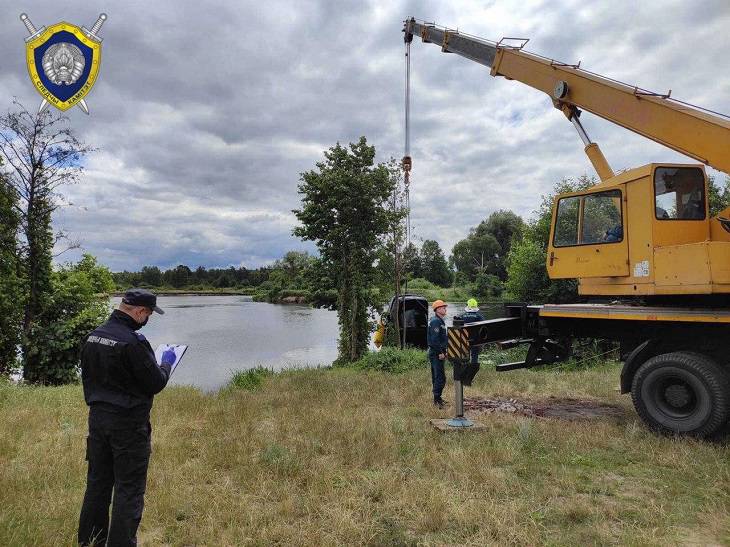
column 63, row 62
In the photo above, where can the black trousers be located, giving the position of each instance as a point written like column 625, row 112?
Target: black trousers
column 118, row 452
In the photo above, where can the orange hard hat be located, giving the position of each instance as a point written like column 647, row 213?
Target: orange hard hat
column 438, row 304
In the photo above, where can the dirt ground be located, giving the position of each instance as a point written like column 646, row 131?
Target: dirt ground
column 552, row 407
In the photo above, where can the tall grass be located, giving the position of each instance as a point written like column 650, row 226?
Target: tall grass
column 346, row 457
column 393, row 360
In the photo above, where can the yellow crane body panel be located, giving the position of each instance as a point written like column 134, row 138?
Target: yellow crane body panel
column 643, row 232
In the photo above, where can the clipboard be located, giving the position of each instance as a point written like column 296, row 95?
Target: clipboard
column 179, row 350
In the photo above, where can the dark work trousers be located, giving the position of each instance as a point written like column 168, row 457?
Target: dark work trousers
column 438, row 376
column 118, row 452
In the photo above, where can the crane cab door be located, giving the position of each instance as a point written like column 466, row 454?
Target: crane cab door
column 588, row 236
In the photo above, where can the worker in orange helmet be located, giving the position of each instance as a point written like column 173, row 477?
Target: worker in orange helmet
column 437, row 350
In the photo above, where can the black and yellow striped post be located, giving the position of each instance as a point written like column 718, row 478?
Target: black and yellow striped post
column 458, row 352
column 458, row 344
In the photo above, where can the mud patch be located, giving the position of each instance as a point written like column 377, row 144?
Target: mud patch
column 553, row 407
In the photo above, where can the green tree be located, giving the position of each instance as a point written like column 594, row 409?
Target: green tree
column 488, row 285
column 76, row 305
column 485, row 249
column 41, row 154
column 476, row 254
column 178, row 277
column 345, row 211
column 719, row 198
column 412, row 261
column 294, row 265
column 506, row 227
column 11, row 300
column 434, row 265
column 200, row 275
column 151, row 275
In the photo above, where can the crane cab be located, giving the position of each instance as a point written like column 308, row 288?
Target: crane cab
column 644, row 232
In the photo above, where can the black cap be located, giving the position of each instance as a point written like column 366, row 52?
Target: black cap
column 141, row 297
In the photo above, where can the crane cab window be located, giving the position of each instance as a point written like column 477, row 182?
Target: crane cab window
column 679, row 193
column 590, row 219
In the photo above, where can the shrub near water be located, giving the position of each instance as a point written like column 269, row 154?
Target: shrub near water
column 393, row 360
column 251, row 379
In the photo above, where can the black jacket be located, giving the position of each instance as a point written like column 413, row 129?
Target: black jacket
column 119, row 370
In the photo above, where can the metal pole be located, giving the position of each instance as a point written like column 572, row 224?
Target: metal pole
column 458, row 420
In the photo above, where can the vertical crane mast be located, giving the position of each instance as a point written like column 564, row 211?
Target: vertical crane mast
column 699, row 134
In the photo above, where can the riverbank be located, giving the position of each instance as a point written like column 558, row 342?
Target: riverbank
column 342, row 457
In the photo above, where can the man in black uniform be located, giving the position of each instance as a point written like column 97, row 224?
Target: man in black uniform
column 120, row 376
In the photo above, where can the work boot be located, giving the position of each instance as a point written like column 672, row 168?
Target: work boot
column 439, row 402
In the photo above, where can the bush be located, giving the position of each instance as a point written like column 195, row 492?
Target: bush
column 78, row 304
column 392, row 360
column 461, row 279
column 488, row 285
column 527, row 278
column 249, row 380
column 295, row 292
column 420, row 283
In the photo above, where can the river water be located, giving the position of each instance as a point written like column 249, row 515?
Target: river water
column 230, row 333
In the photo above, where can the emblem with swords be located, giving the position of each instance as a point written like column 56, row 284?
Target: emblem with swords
column 90, row 34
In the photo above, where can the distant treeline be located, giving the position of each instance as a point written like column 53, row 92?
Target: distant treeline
column 201, row 278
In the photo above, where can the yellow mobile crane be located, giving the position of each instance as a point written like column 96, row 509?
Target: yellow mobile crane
column 643, row 238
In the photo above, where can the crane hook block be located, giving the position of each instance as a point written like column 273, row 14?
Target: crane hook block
column 407, row 163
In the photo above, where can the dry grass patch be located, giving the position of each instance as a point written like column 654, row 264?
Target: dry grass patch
column 332, row 457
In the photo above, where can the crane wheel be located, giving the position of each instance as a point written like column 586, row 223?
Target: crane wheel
column 683, row 393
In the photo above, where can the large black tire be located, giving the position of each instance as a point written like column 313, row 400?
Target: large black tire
column 682, row 393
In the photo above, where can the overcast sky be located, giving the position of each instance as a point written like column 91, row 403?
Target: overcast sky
column 205, row 113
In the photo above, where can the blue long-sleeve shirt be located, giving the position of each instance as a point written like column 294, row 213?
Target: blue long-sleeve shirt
column 436, row 337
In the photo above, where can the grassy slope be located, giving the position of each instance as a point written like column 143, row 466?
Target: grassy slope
column 325, row 457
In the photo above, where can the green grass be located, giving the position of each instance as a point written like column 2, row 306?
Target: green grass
column 250, row 379
column 347, row 457
column 391, row 360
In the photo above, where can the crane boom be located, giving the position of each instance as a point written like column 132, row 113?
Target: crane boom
column 699, row 134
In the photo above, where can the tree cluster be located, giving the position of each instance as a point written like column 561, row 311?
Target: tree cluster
column 481, row 258
column 183, row 277
column 427, row 262
column 44, row 312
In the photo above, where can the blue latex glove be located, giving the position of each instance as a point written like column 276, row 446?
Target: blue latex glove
column 168, row 357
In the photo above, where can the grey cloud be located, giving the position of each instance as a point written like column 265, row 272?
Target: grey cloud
column 206, row 113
